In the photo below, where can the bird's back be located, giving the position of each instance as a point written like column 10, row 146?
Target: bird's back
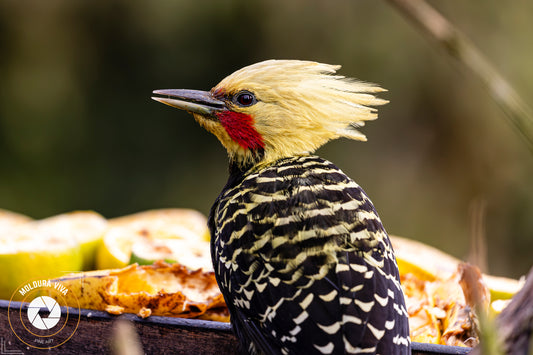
column 305, row 264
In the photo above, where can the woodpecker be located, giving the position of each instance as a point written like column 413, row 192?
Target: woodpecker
column 299, row 251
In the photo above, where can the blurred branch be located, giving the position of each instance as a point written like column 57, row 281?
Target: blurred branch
column 459, row 47
column 125, row 339
column 478, row 254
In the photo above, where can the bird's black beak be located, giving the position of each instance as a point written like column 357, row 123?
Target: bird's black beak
column 193, row 101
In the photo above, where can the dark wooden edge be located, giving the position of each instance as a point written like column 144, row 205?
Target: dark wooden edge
column 157, row 334
column 95, row 333
column 424, row 348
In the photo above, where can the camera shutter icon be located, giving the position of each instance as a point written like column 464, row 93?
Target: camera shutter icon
column 36, row 308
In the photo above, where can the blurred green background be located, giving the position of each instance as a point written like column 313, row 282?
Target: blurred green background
column 78, row 129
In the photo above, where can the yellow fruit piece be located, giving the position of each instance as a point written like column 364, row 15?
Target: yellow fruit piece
column 502, row 288
column 10, row 219
column 497, row 306
column 115, row 250
column 429, row 264
column 191, row 219
column 207, row 235
column 160, row 289
column 175, row 235
column 187, row 250
column 47, row 248
column 422, row 260
column 438, row 310
column 25, row 266
column 86, row 228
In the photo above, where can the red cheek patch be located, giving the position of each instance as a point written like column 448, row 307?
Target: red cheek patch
column 240, row 128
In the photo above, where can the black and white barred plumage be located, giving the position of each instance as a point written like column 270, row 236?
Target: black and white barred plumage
column 305, row 264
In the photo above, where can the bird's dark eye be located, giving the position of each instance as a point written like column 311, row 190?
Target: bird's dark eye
column 244, row 98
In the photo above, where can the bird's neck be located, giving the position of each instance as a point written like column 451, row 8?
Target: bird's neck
column 239, row 168
column 241, row 163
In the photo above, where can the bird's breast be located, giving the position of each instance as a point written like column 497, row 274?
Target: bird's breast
column 296, row 217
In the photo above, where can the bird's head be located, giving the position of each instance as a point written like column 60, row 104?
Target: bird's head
column 279, row 108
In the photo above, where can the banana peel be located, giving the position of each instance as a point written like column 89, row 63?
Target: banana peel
column 159, row 289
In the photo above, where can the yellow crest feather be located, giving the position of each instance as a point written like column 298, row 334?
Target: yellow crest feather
column 301, row 105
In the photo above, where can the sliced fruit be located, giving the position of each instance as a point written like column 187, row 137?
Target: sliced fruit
column 207, row 235
column 502, row 288
column 438, row 311
column 147, row 252
column 10, row 219
column 189, row 251
column 84, row 227
column 191, row 219
column 173, row 235
column 422, row 260
column 429, row 264
column 115, row 249
column 160, row 289
column 47, row 248
column 24, row 265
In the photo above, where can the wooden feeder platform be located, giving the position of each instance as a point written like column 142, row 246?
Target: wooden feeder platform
column 92, row 333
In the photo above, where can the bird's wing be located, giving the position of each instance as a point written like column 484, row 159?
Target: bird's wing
column 303, row 279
